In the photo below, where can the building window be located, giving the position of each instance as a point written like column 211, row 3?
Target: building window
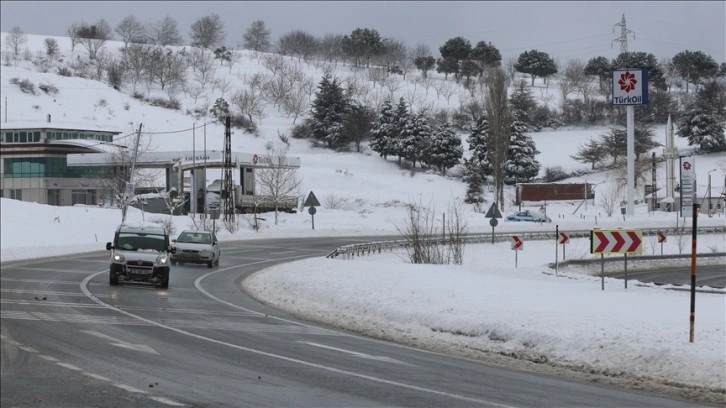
column 16, row 194
column 53, row 196
column 87, row 197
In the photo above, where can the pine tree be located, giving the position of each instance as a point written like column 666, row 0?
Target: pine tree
column 474, row 179
column 523, row 105
column 592, row 152
column 521, row 165
column 382, row 139
column 478, row 142
column 445, row 149
column 401, row 116
column 415, row 138
column 328, row 113
column 702, row 129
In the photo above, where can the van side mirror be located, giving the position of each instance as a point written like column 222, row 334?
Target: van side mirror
column 109, row 246
column 172, row 249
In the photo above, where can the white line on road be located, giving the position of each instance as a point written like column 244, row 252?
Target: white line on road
column 358, row 354
column 120, row 343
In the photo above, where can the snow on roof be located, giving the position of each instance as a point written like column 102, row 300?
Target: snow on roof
column 23, row 125
column 101, row 147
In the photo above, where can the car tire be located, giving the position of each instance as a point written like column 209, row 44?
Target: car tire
column 112, row 279
column 164, row 282
column 216, row 263
column 210, row 264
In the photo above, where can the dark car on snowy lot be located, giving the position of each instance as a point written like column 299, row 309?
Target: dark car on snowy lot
column 528, row 216
column 196, row 247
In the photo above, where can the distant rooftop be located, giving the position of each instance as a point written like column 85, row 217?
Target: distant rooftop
column 26, row 124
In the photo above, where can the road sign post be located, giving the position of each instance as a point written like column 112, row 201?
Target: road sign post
column 312, row 202
column 493, row 213
column 661, row 240
column 615, row 242
column 516, row 247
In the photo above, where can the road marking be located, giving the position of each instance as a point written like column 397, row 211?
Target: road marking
column 358, row 354
column 26, row 268
column 42, row 292
column 163, row 400
column 84, row 287
column 120, row 343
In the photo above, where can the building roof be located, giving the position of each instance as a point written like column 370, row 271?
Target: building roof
column 30, row 125
column 101, row 147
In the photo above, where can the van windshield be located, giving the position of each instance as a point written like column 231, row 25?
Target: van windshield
column 136, row 241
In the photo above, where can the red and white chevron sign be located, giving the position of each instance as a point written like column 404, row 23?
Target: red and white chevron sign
column 616, row 241
column 516, row 243
column 563, row 238
column 661, row 237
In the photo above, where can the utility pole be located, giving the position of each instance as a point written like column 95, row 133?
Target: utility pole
column 228, row 184
column 623, row 39
column 129, row 188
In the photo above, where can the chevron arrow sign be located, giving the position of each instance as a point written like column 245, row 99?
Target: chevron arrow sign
column 616, row 241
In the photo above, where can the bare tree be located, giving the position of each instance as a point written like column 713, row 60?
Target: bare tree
column 72, row 32
column 52, row 49
column 499, row 117
column 165, row 32
column 279, row 181
column 94, row 37
column 257, row 37
column 135, row 58
column 331, row 47
column 297, row 43
column 130, row 30
column 15, row 40
column 168, row 67
column 249, row 102
column 421, row 50
column 610, row 197
column 234, row 57
column 295, row 103
column 208, row 32
column 202, row 63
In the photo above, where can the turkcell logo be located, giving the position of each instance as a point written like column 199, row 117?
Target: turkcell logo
column 630, row 87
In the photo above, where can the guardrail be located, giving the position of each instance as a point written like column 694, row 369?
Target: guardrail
column 368, row 248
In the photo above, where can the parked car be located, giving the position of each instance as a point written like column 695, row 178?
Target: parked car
column 196, row 247
column 528, row 216
column 140, row 254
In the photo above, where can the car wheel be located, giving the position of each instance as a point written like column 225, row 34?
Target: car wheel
column 164, row 282
column 210, row 264
column 216, row 263
column 112, row 279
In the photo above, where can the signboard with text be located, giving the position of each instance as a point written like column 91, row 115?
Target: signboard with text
column 688, row 176
column 630, row 86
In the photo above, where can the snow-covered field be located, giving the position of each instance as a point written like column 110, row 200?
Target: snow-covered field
column 484, row 304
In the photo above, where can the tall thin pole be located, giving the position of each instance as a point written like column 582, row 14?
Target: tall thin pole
column 193, row 189
column 631, row 158
column 205, row 171
column 692, row 318
column 130, row 183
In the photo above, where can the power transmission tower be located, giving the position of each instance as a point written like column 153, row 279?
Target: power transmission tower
column 228, row 183
column 623, row 39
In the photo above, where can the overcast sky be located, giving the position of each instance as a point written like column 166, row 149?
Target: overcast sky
column 567, row 29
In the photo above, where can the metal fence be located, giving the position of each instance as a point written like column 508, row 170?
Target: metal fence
column 354, row 250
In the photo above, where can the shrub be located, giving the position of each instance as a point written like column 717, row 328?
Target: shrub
column 242, row 122
column 138, row 95
column 301, row 131
column 555, row 173
column 27, row 86
column 63, row 71
column 170, row 103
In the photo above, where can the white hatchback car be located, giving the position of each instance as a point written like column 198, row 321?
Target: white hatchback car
column 196, row 247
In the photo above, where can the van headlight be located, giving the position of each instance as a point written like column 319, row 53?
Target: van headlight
column 162, row 259
column 118, row 258
column 204, row 253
